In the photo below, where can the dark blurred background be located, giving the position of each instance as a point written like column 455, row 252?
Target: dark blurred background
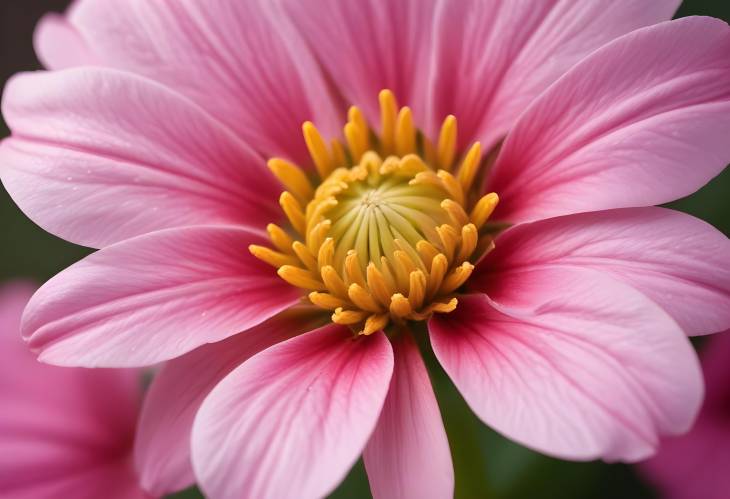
column 485, row 464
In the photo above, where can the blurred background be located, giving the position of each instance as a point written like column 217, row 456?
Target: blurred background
column 485, row 464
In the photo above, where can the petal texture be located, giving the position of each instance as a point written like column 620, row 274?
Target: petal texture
column 492, row 58
column 98, row 156
column 639, row 122
column 63, row 432
column 238, row 59
column 292, row 420
column 703, row 453
column 59, row 45
column 571, row 363
column 680, row 262
column 162, row 445
column 369, row 45
column 408, row 454
column 153, row 298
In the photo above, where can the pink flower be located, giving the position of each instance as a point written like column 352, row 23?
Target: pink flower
column 63, row 432
column 695, row 465
column 150, row 137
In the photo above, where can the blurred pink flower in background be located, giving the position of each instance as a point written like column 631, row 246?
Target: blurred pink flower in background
column 149, row 140
column 697, row 465
column 64, row 432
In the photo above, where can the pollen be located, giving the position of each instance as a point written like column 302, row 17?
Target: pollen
column 389, row 225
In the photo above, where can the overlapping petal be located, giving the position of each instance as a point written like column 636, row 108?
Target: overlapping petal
column 59, row 45
column 492, row 58
column 369, row 45
column 293, row 419
column 162, row 445
column 571, row 363
column 98, row 156
column 678, row 261
column 239, row 60
column 639, row 122
column 63, row 432
column 408, row 454
column 153, row 298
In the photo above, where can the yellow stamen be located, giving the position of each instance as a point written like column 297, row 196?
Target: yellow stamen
column 305, row 256
column 388, row 115
column 400, row 306
column 293, row 211
column 388, row 233
column 470, row 166
column 328, row 301
column 300, row 278
column 317, row 149
column 292, row 178
column 447, row 143
column 484, row 209
column 456, row 278
column 405, row 133
column 362, row 299
column 273, row 258
column 348, row 317
column 375, row 323
column 280, row 238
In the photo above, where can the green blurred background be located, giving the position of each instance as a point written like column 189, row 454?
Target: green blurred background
column 486, row 465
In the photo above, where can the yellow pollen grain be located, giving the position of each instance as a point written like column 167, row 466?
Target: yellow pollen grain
column 387, row 232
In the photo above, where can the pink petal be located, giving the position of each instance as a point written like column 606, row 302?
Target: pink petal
column 59, row 45
column 112, row 481
column 408, row 454
column 240, row 60
column 703, row 453
column 641, row 121
column 293, row 419
column 153, row 298
column 571, row 363
column 680, row 262
column 692, row 466
column 63, row 432
column 369, row 45
column 162, row 446
column 492, row 58
column 98, row 156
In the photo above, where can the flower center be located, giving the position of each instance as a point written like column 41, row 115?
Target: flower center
column 391, row 231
